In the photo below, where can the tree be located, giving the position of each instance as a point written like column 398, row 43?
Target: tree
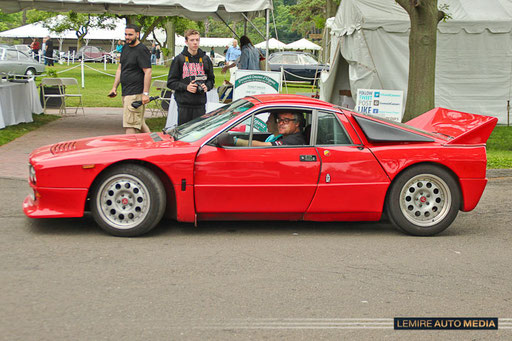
column 424, row 16
column 80, row 23
column 309, row 16
column 13, row 20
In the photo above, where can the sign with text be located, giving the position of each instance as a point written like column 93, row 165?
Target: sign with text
column 254, row 82
column 383, row 103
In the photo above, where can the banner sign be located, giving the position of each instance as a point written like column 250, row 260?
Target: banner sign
column 254, row 82
column 383, row 103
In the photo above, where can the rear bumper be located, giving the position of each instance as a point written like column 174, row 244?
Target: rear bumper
column 472, row 190
column 55, row 202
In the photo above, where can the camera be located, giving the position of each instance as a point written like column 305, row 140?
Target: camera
column 200, row 80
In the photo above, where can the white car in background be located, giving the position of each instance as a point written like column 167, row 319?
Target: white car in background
column 219, row 60
column 15, row 62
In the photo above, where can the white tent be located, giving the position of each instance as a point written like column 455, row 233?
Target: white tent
column 38, row 30
column 303, row 44
column 370, row 49
column 273, row 44
column 195, row 10
column 223, row 10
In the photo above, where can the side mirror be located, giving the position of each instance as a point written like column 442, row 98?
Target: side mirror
column 225, row 139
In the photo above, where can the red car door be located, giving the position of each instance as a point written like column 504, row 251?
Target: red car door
column 352, row 184
column 255, row 182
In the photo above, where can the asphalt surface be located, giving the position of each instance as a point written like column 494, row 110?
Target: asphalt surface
column 64, row 279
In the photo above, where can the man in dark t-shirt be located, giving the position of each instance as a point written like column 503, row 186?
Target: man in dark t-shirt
column 134, row 74
column 49, row 52
column 288, row 125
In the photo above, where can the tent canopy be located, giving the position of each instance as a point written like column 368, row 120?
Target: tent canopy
column 38, row 30
column 303, row 44
column 195, row 10
column 473, row 16
column 273, row 44
column 370, row 50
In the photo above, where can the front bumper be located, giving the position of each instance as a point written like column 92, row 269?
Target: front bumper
column 55, row 202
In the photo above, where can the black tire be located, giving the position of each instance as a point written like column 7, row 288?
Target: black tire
column 128, row 200
column 423, row 200
column 221, row 64
column 31, row 71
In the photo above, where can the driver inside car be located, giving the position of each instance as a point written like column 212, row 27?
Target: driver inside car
column 288, row 129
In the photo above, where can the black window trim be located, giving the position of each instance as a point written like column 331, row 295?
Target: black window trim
column 335, row 113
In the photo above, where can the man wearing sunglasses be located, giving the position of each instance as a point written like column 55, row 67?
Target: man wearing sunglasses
column 289, row 127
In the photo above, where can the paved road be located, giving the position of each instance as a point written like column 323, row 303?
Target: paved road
column 66, row 280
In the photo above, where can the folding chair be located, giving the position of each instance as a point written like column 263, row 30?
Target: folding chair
column 156, row 106
column 62, row 84
column 55, row 82
column 71, row 84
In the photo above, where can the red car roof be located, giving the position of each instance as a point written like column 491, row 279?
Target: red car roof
column 288, row 99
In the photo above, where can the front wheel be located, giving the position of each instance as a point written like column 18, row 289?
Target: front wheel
column 31, row 72
column 128, row 200
column 423, row 200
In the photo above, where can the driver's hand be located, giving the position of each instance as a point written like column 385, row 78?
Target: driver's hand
column 192, row 87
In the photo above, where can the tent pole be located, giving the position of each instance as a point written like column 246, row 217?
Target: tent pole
column 268, row 37
column 225, row 23
column 250, row 22
column 245, row 24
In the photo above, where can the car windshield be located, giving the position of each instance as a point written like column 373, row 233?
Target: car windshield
column 201, row 126
column 308, row 60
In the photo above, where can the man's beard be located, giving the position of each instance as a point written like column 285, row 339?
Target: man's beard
column 130, row 42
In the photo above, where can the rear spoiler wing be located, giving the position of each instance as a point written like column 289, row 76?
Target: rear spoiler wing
column 459, row 127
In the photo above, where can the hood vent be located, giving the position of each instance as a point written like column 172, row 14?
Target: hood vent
column 63, row 147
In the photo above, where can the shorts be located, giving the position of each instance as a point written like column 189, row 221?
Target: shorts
column 132, row 117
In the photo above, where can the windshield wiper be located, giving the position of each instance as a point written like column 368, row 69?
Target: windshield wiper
column 173, row 132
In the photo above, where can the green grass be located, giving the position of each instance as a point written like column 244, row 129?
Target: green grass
column 499, row 148
column 12, row 132
column 98, row 85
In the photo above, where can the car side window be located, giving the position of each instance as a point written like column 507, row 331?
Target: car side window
column 330, row 130
column 23, row 56
column 265, row 128
column 12, row 55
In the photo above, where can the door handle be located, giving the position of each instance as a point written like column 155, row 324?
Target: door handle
column 308, row 158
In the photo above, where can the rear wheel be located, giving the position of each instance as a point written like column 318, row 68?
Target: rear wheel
column 423, row 200
column 128, row 200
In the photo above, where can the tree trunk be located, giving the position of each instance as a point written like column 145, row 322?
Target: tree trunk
column 131, row 19
column 170, row 29
column 331, row 7
column 424, row 17
column 151, row 28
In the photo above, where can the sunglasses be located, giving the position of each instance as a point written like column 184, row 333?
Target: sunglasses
column 285, row 120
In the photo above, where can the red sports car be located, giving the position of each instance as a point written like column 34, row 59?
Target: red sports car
column 349, row 167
